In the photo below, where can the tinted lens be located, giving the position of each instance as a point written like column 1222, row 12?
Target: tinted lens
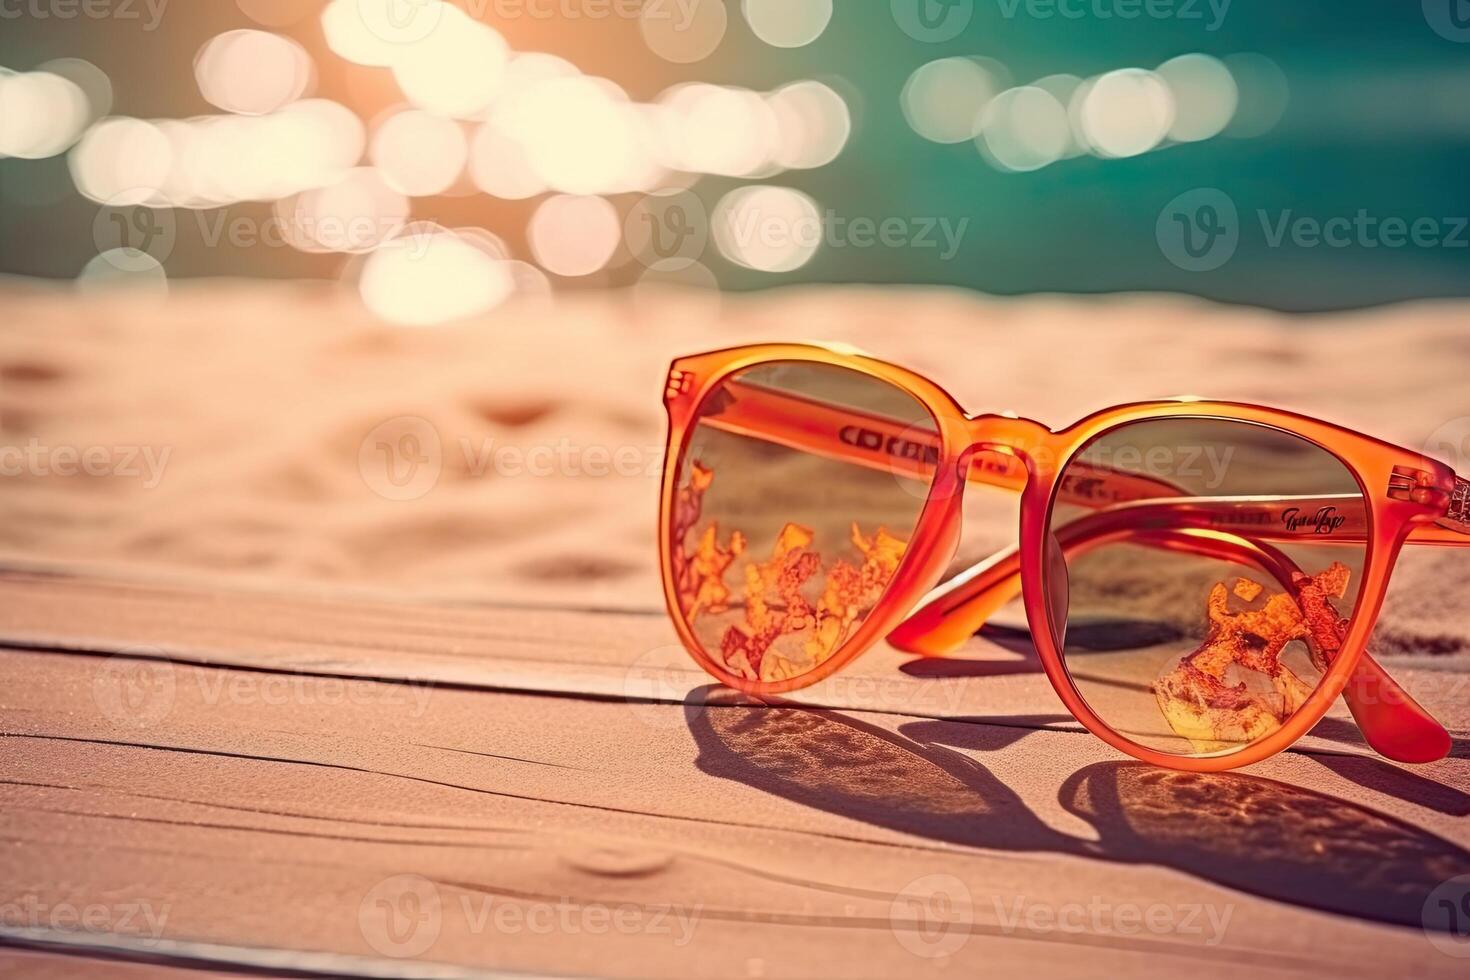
column 800, row 486
column 1207, row 569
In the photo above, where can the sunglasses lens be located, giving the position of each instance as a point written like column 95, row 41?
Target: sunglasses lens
column 799, row 488
column 1209, row 569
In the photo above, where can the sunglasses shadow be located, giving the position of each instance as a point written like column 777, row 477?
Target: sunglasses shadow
column 1259, row 836
column 1369, row 772
column 1008, row 638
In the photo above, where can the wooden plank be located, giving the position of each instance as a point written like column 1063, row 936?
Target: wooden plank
column 46, row 963
column 618, row 654
column 501, row 828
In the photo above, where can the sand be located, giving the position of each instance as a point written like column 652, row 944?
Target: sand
column 243, row 425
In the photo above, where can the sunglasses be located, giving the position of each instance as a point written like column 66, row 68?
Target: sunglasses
column 1200, row 578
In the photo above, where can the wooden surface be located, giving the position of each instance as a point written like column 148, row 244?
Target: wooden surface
column 334, row 783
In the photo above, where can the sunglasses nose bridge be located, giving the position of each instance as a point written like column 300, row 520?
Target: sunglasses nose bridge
column 1007, row 435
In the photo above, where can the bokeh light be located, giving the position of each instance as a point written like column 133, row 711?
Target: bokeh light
column 499, row 167
column 356, row 213
column 1263, row 92
column 529, row 282
column 1024, row 129
column 943, row 100
column 418, row 153
column 788, row 23
column 580, row 135
column 574, row 235
column 381, row 33
column 813, row 124
column 683, row 33
column 93, row 82
column 349, row 38
column 455, row 69
column 456, row 113
column 717, row 129
column 124, row 268
column 253, row 72
column 274, row 13
column 121, row 161
column 766, row 228
column 429, row 275
column 41, row 114
column 220, row 160
column 1127, row 112
column 1205, row 96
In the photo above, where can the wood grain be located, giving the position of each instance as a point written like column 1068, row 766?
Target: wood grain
column 327, row 783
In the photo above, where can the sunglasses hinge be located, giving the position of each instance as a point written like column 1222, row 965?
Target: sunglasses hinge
column 1457, row 510
column 1417, row 487
column 678, row 384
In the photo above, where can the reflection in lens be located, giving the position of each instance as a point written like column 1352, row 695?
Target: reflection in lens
column 779, row 554
column 1209, row 565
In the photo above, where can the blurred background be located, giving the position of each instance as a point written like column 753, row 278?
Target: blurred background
column 440, row 157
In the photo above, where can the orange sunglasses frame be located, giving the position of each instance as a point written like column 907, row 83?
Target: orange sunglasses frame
column 1409, row 498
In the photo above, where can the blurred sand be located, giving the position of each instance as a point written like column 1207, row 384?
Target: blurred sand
column 258, row 412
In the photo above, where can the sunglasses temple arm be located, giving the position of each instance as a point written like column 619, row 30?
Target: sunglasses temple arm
column 1396, row 725
column 966, row 602
column 1392, row 722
